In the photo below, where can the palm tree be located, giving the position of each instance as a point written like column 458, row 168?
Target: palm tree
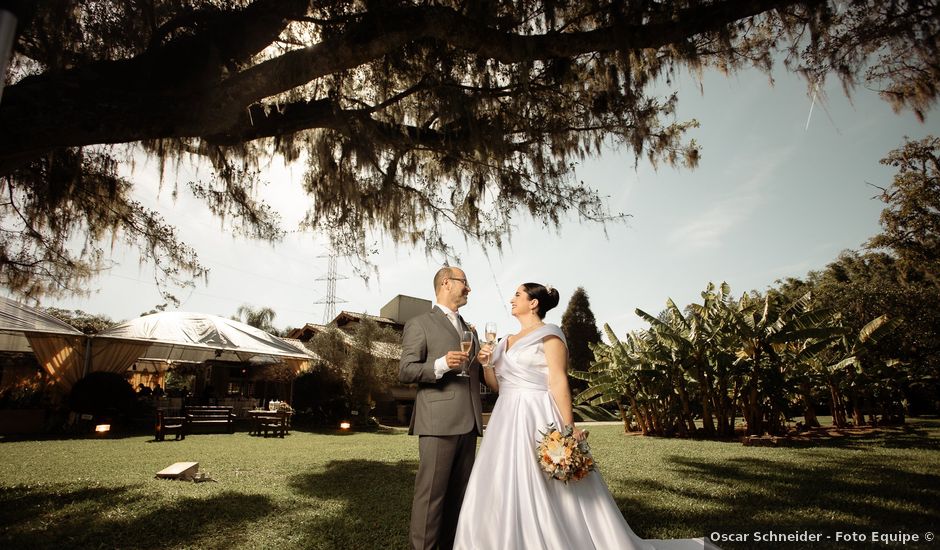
column 261, row 318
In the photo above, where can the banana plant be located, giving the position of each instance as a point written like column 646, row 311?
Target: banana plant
column 675, row 352
column 765, row 334
column 691, row 339
column 608, row 377
column 620, row 375
column 846, row 370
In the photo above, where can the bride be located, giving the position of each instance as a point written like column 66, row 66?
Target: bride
column 509, row 503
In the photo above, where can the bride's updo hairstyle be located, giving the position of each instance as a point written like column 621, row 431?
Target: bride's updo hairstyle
column 547, row 297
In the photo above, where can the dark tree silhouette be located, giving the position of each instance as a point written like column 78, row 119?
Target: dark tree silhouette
column 580, row 330
column 410, row 115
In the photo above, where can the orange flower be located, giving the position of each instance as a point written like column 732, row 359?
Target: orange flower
column 563, row 457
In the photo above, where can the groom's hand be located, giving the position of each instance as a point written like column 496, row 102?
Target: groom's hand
column 455, row 359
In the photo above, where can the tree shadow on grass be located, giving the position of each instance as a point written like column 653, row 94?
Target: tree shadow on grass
column 376, row 499
column 908, row 436
column 57, row 516
column 911, row 438
column 913, row 435
column 744, row 495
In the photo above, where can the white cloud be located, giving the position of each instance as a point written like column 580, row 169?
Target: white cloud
column 716, row 222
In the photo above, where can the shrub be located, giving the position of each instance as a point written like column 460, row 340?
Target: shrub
column 25, row 394
column 102, row 394
column 320, row 395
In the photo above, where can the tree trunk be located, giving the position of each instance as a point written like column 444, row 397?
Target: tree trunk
column 708, row 423
column 627, row 428
column 732, row 408
column 657, row 427
column 721, row 416
column 858, row 416
column 809, row 408
column 688, row 419
column 745, row 410
column 732, row 418
column 776, row 417
column 641, row 419
column 838, row 409
column 754, row 414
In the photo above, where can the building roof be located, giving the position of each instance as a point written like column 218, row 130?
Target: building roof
column 342, row 321
column 303, row 348
column 380, row 350
column 346, row 317
column 306, row 332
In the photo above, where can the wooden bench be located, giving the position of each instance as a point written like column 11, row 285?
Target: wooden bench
column 209, row 416
column 277, row 422
column 169, row 425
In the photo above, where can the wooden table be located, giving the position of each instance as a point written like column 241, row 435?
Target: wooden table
column 262, row 421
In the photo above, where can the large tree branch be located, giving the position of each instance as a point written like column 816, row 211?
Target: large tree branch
column 293, row 117
column 386, row 32
column 181, row 88
column 239, row 34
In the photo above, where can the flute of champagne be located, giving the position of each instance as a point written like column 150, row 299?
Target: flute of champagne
column 490, row 334
column 466, row 344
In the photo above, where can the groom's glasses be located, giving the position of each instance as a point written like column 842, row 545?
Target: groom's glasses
column 464, row 281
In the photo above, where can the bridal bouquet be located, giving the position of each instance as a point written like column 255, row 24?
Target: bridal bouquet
column 562, row 456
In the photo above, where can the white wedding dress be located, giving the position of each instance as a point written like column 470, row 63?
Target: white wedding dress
column 510, row 503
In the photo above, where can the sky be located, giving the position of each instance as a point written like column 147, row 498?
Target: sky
column 783, row 186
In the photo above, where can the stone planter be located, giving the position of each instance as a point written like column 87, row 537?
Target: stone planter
column 22, row 421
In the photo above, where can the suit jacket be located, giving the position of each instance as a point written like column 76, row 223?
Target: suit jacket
column 449, row 405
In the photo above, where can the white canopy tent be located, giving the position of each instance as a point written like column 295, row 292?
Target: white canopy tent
column 157, row 340
column 58, row 346
column 172, row 337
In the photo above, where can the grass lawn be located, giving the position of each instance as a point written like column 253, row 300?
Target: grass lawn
column 320, row 490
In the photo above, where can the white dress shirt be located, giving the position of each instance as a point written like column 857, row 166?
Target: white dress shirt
column 440, row 364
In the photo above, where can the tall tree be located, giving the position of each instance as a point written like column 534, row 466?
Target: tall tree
column 865, row 285
column 363, row 360
column 409, row 114
column 580, row 330
column 911, row 219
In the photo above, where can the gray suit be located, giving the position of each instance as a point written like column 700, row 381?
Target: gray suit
column 447, row 417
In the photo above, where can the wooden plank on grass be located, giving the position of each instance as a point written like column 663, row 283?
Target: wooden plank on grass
column 179, row 470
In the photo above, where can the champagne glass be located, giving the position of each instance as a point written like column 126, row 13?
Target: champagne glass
column 490, row 334
column 466, row 344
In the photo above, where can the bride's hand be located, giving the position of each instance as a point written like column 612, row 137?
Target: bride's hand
column 580, row 434
column 484, row 355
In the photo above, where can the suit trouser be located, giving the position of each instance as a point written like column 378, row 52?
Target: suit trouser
column 443, row 472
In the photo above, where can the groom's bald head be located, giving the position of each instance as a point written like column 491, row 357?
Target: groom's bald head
column 451, row 287
column 441, row 276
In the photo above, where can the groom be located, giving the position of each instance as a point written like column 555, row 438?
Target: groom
column 447, row 410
